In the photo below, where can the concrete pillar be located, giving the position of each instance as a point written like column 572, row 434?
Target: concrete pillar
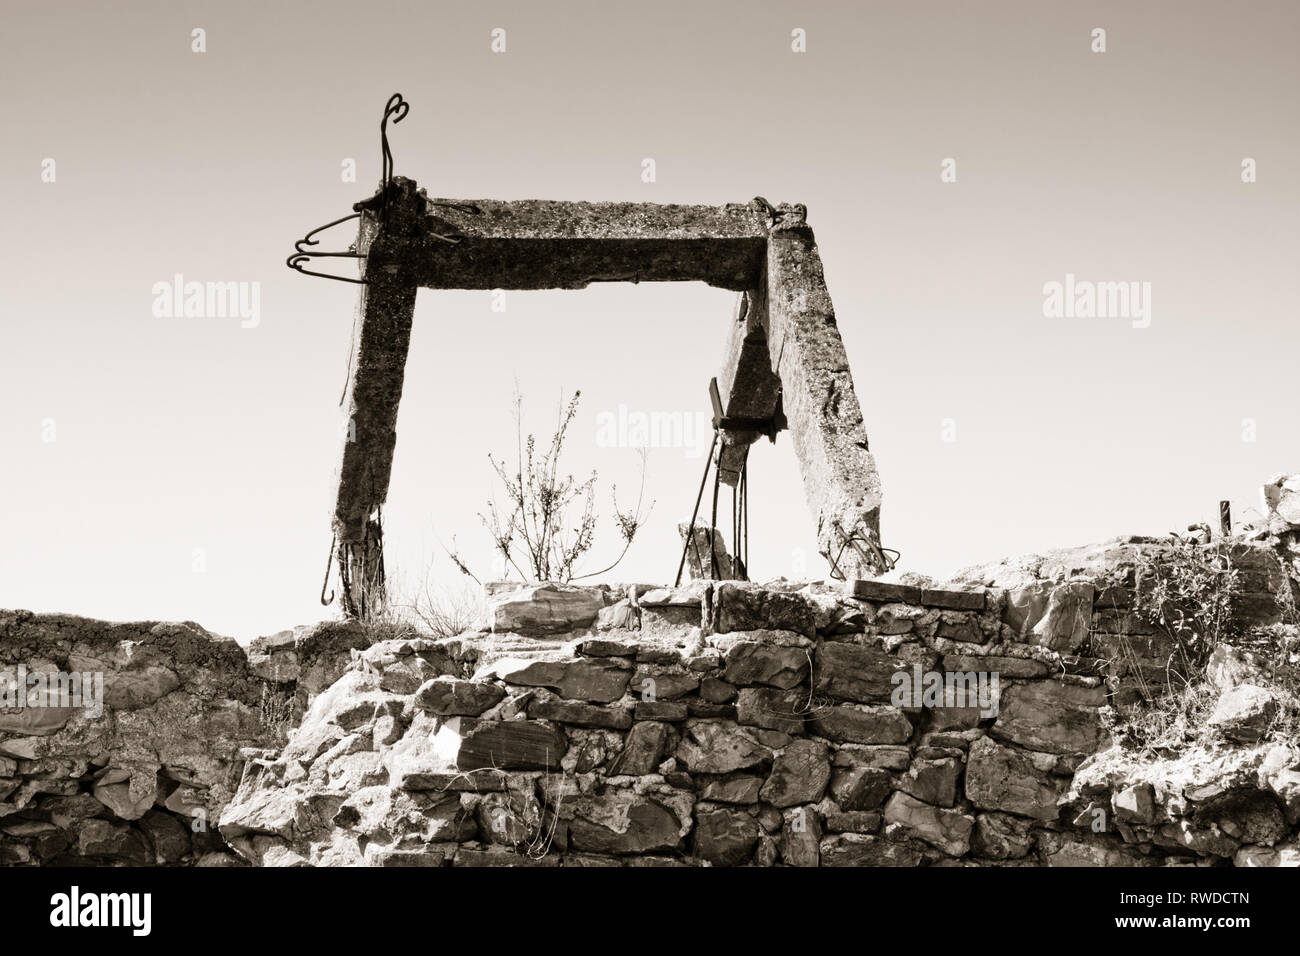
column 840, row 480
column 385, row 307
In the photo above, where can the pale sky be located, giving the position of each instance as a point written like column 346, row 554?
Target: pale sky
column 178, row 468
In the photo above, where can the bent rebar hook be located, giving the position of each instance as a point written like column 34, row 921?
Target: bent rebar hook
column 302, row 256
column 329, row 563
column 395, row 109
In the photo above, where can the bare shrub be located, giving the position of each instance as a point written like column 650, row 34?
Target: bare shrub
column 1189, row 591
column 547, row 523
column 446, row 612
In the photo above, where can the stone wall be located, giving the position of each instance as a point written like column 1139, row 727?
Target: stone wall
column 723, row 723
column 136, row 767
column 1282, row 511
column 736, row 724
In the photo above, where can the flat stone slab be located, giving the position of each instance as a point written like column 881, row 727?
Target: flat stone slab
column 953, row 600
column 885, row 591
column 890, row 593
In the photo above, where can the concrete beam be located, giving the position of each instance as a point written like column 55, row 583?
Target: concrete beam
column 840, row 480
column 540, row 244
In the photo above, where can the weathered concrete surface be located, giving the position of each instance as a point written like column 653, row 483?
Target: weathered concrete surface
column 543, row 244
column 747, row 385
column 830, row 440
column 700, row 563
column 382, row 337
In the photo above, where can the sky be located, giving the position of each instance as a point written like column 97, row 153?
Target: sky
column 956, row 159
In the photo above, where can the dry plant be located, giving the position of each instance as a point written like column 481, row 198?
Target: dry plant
column 1167, row 725
column 392, row 620
column 547, row 524
column 1189, row 590
column 427, row 608
column 446, row 612
column 275, row 711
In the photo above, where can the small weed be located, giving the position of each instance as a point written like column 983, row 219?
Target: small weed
column 276, row 711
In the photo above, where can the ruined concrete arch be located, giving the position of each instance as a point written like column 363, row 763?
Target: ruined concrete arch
column 783, row 343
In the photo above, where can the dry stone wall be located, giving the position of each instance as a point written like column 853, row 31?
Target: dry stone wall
column 129, row 740
column 724, row 723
